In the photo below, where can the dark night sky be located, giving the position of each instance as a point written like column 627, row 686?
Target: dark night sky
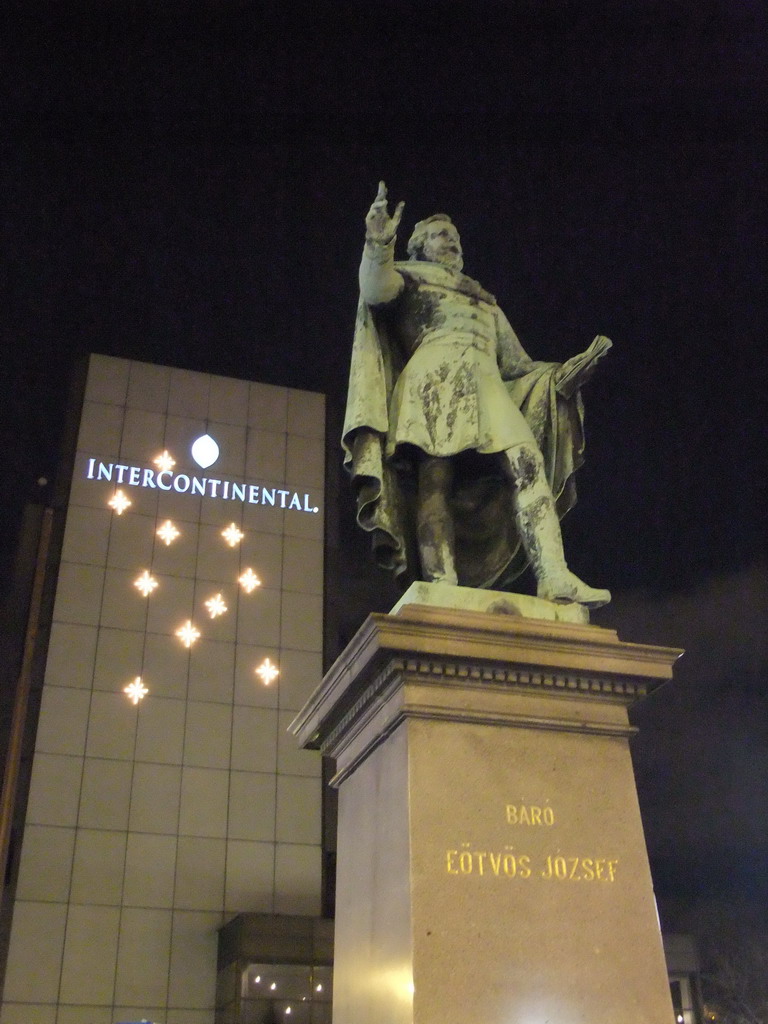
column 187, row 185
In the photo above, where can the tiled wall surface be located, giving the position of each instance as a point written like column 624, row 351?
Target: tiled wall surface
column 149, row 825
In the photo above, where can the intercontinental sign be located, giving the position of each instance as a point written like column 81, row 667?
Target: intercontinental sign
column 206, row 486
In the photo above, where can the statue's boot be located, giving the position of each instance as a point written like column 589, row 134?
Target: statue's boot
column 565, row 587
column 440, row 574
column 539, row 530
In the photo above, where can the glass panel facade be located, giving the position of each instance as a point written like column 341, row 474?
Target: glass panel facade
column 186, row 633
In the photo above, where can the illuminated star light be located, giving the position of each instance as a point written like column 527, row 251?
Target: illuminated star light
column 145, row 583
column 267, row 671
column 168, row 532
column 136, row 690
column 119, row 502
column 249, row 581
column 165, row 462
column 232, row 535
column 215, row 605
column 188, row 633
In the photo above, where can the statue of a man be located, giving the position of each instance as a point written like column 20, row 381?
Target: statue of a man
column 461, row 448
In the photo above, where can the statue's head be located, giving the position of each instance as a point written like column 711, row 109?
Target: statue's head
column 437, row 240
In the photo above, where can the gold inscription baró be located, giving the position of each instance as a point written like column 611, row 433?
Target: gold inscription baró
column 529, row 814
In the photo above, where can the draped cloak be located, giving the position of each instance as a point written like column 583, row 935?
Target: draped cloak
column 488, row 551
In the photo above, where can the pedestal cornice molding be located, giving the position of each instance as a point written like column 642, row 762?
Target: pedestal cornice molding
column 423, row 647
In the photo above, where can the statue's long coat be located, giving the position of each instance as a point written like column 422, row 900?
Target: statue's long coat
column 488, row 551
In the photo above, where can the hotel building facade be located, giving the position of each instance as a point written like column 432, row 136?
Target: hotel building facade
column 166, row 798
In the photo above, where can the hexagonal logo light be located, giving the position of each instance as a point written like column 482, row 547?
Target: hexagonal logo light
column 205, row 451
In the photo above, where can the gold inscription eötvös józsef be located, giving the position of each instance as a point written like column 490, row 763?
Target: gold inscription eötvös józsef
column 511, row 864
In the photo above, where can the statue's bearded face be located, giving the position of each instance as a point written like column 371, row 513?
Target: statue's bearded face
column 443, row 245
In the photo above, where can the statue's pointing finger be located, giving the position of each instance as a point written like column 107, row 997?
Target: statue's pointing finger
column 380, row 226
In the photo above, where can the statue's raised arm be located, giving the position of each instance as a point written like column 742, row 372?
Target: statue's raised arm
column 379, row 281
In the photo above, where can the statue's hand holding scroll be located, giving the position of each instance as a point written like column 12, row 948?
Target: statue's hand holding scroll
column 576, row 371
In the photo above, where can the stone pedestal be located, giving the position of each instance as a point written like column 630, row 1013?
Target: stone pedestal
column 491, row 863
